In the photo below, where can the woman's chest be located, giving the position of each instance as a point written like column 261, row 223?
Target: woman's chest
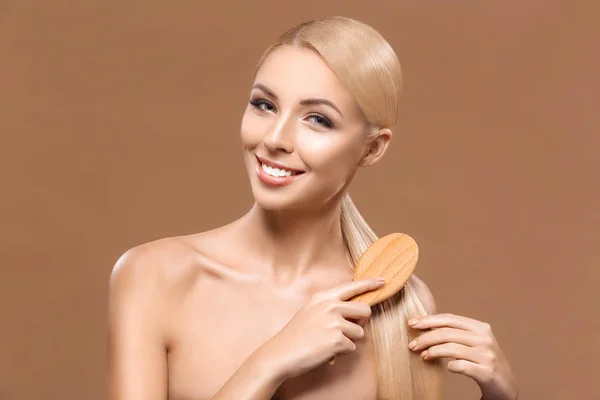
column 212, row 339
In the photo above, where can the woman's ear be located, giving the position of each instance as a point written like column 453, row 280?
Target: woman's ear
column 376, row 148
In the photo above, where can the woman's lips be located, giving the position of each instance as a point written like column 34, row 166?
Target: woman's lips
column 268, row 179
column 275, row 164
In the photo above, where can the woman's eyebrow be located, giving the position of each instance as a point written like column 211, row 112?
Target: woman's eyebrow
column 312, row 101
column 321, row 101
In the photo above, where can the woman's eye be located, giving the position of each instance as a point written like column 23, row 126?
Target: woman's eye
column 321, row 120
column 266, row 106
column 262, row 105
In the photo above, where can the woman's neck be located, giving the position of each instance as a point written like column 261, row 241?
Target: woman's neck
column 289, row 244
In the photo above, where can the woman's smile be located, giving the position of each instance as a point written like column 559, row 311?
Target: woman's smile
column 274, row 173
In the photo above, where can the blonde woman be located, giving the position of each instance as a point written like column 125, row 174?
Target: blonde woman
column 253, row 310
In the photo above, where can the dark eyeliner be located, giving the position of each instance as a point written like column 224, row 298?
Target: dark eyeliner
column 258, row 102
column 326, row 123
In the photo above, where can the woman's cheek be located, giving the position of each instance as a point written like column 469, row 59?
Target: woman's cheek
column 315, row 146
column 252, row 130
column 325, row 153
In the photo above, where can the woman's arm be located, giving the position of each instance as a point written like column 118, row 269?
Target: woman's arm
column 136, row 359
column 256, row 379
column 136, row 354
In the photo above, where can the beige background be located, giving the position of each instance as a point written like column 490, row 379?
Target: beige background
column 119, row 124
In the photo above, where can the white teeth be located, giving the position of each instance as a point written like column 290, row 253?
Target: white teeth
column 275, row 171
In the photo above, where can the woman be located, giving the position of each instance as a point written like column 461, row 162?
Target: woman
column 255, row 309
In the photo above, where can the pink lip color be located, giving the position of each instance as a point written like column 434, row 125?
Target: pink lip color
column 273, row 180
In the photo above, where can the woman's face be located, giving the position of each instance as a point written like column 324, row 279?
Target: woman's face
column 302, row 132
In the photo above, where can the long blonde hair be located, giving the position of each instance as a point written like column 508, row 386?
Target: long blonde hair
column 368, row 67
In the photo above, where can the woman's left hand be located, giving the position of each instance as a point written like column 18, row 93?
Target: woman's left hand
column 475, row 350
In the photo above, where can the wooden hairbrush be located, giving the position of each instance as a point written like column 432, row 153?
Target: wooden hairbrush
column 393, row 257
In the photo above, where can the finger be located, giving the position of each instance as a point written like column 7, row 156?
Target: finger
column 350, row 289
column 345, row 345
column 449, row 320
column 480, row 373
column 355, row 311
column 351, row 330
column 455, row 350
column 362, row 322
column 445, row 335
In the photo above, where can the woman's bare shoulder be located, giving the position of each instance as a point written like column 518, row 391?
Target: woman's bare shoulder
column 158, row 266
column 149, row 261
column 169, row 263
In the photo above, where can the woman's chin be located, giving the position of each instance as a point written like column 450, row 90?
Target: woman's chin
column 272, row 203
column 276, row 201
column 287, row 198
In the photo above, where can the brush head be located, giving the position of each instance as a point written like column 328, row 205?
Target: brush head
column 393, row 257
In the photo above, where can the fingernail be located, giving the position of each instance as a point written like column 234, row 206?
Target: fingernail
column 412, row 344
column 380, row 280
column 424, row 354
column 413, row 321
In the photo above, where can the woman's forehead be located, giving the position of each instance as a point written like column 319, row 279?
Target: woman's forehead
column 292, row 72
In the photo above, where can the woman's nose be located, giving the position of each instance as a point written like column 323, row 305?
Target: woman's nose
column 280, row 137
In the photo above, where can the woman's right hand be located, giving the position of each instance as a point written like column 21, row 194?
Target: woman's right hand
column 320, row 330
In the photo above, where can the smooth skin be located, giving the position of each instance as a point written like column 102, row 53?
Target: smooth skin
column 473, row 350
column 253, row 310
